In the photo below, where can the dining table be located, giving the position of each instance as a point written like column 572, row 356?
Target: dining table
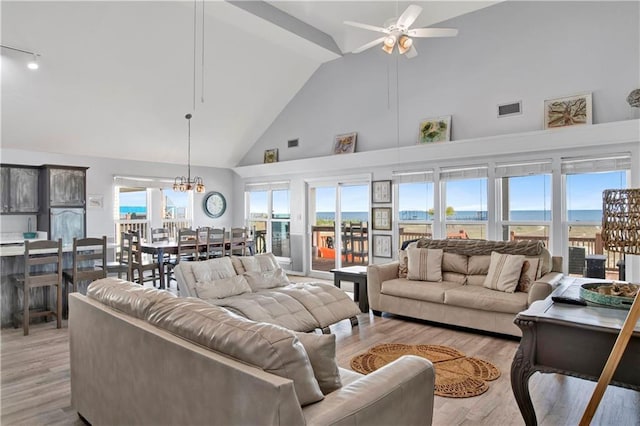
column 160, row 248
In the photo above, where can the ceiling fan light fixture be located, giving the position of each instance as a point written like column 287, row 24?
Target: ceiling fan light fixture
column 390, row 41
column 404, row 44
column 388, row 49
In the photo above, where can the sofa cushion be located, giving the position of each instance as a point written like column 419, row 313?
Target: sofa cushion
column 479, row 264
column 485, row 299
column 476, row 280
column 529, row 273
column 424, row 264
column 213, row 269
column 418, row 290
column 325, row 302
column 504, row 272
column 454, row 277
column 272, row 307
column 125, row 296
column 264, row 280
column 452, row 262
column 321, row 349
column 226, row 287
column 403, row 260
column 269, row 347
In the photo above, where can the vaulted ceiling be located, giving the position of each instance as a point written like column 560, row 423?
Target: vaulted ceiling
column 117, row 77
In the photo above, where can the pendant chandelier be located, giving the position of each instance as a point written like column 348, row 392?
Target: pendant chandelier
column 182, row 183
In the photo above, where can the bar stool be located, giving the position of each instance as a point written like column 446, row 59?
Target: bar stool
column 89, row 258
column 40, row 270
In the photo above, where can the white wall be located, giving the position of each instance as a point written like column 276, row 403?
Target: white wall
column 100, row 182
column 528, row 51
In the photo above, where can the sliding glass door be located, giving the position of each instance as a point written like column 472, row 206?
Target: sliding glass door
column 338, row 218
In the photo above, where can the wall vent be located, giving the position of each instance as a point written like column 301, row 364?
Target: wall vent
column 513, row 108
column 292, row 143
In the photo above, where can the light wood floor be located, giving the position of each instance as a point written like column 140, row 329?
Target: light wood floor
column 35, row 377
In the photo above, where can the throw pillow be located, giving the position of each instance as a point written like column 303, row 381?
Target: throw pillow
column 250, row 264
column 424, row 264
column 321, row 350
column 402, row 260
column 528, row 274
column 226, row 287
column 213, row 269
column 269, row 279
column 504, row 272
column 267, row 262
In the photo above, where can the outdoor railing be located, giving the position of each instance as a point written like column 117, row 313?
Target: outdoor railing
column 144, row 228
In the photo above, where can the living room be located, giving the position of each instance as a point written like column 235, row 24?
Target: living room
column 130, row 125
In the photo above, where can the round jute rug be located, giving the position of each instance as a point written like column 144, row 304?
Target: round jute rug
column 457, row 375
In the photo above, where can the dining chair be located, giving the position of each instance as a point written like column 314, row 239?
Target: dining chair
column 203, row 233
column 139, row 263
column 359, row 242
column 237, row 242
column 41, row 270
column 188, row 250
column 347, row 244
column 89, row 258
column 216, row 243
column 120, row 265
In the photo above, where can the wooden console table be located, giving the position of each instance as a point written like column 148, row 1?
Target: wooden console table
column 570, row 340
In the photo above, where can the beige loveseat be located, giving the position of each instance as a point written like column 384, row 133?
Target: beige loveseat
column 257, row 288
column 143, row 356
column 449, row 282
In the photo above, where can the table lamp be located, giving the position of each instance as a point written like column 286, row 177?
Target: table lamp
column 620, row 233
column 621, row 226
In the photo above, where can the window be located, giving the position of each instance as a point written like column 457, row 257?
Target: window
column 525, row 190
column 415, row 205
column 145, row 203
column 464, row 206
column 584, row 181
column 269, row 217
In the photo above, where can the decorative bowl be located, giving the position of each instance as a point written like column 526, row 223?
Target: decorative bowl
column 590, row 293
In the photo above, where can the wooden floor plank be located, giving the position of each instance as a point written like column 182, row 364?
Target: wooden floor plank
column 35, row 388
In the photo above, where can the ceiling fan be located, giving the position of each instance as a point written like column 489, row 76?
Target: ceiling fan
column 398, row 33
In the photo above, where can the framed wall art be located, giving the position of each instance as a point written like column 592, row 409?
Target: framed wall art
column 345, row 144
column 382, row 246
column 435, row 130
column 568, row 111
column 381, row 218
column 381, row 191
column 271, row 155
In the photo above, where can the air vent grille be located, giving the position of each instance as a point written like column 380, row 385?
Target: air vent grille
column 292, row 143
column 512, row 108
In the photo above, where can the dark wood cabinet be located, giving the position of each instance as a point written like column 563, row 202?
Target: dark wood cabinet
column 19, row 189
column 62, row 200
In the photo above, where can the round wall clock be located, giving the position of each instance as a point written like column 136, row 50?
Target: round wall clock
column 214, row 204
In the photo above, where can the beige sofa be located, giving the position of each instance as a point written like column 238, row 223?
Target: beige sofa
column 460, row 297
column 143, row 356
column 257, row 288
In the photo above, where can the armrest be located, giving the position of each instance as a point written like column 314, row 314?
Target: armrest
column 543, row 286
column 556, row 264
column 398, row 393
column 376, row 274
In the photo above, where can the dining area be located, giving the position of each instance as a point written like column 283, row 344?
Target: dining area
column 161, row 253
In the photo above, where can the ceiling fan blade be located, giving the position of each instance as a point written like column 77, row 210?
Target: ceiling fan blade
column 412, row 53
column 409, row 16
column 433, row 32
column 369, row 45
column 367, row 27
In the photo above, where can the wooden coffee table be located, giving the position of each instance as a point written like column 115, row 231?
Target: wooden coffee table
column 570, row 340
column 358, row 276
